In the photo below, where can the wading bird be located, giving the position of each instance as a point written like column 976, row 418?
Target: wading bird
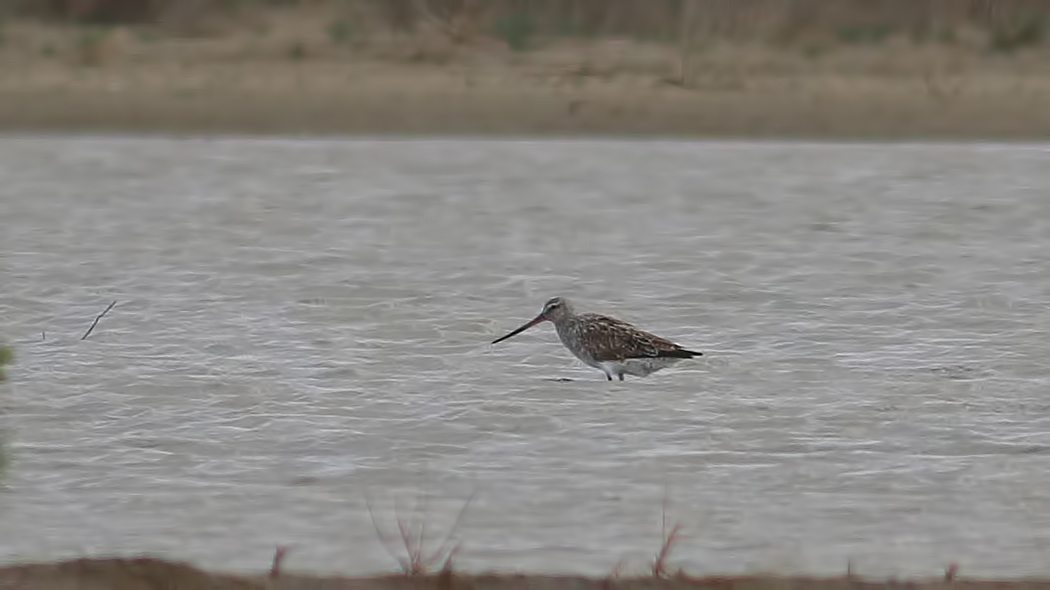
column 613, row 346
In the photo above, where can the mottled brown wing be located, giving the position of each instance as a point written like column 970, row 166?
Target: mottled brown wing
column 613, row 340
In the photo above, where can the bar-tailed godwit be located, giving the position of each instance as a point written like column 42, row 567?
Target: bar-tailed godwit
column 613, row 346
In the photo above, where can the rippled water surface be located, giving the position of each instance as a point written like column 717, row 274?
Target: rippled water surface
column 302, row 329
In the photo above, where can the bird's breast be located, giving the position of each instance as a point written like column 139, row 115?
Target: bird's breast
column 572, row 339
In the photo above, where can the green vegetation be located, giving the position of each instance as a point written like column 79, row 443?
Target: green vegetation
column 946, row 35
column 7, row 356
column 864, row 35
column 814, row 51
column 1018, row 34
column 1012, row 25
column 516, row 29
column 567, row 27
column 933, row 32
column 340, row 31
column 91, row 44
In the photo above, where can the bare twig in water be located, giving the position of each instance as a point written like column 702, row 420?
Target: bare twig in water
column 949, row 574
column 278, row 557
column 445, row 576
column 660, row 565
column 95, row 323
column 416, row 560
column 670, row 539
column 615, row 574
column 447, row 567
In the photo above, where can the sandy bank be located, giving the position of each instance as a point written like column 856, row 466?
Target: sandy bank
column 337, row 99
column 296, row 80
column 149, row 573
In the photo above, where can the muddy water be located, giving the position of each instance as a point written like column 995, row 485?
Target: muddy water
column 301, row 338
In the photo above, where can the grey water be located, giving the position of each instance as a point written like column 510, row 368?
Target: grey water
column 299, row 354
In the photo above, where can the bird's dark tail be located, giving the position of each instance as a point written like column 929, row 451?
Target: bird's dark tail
column 678, row 353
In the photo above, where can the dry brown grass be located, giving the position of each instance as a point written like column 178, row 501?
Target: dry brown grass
column 465, row 20
column 415, row 554
column 149, row 573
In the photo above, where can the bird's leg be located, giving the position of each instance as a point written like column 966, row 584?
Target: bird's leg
column 608, row 376
column 621, row 376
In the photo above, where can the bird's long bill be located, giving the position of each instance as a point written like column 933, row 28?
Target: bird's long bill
column 532, row 323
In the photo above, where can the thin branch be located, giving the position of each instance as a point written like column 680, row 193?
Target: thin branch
column 421, row 538
column 663, row 514
column 444, row 578
column 278, row 557
column 415, row 566
column 384, row 540
column 417, row 559
column 412, row 550
column 669, row 541
column 444, row 548
column 446, row 568
column 660, row 565
column 950, row 572
column 617, row 570
column 95, row 323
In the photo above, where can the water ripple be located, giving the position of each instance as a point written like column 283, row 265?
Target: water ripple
column 302, row 324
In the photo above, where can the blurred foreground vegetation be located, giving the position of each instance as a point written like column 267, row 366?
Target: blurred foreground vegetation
column 1006, row 24
column 6, row 357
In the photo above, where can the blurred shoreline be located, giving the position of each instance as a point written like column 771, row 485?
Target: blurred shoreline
column 148, row 572
column 298, row 71
column 295, row 71
column 328, row 99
